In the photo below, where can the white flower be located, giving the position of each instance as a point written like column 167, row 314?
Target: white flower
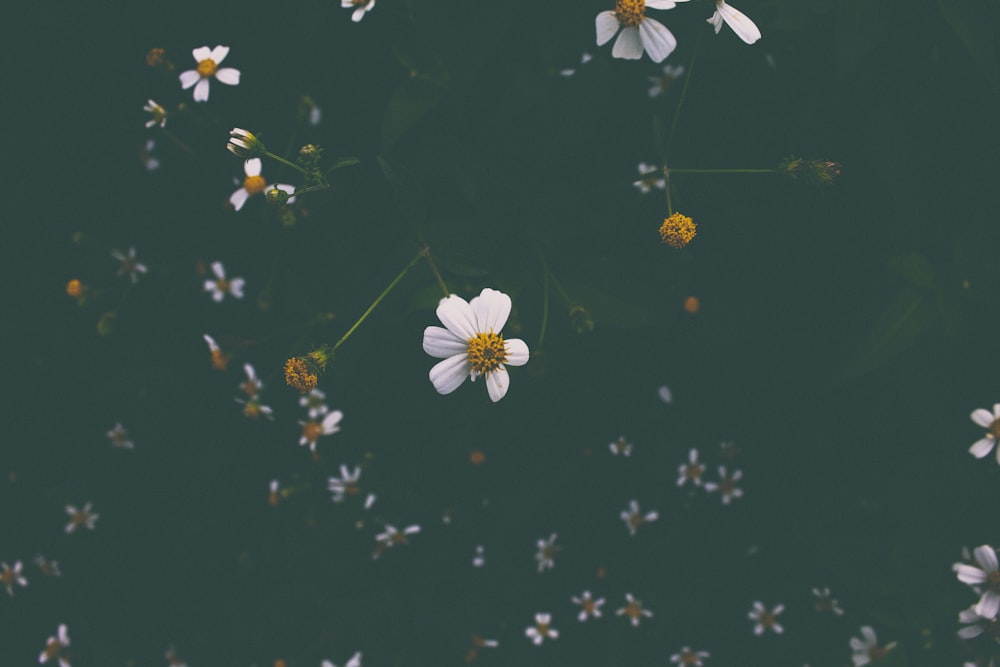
column 867, row 651
column 692, row 470
column 633, row 609
column 355, row 661
column 363, row 7
column 975, row 624
column 637, row 31
column 253, row 408
column 621, row 446
column 221, row 286
column 765, row 619
column 146, row 156
column 119, row 437
column 634, row 518
column 49, row 568
column 741, row 24
column 208, row 66
column 54, row 648
column 991, row 422
column 471, row 345
column 10, row 576
column 315, row 401
column 129, row 265
column 219, row 358
column 589, row 607
column 658, row 85
column 541, row 629
column 546, row 553
column 987, row 573
column 347, row 485
column 826, row 603
column 80, row 517
column 689, row 658
column 726, row 485
column 158, row 114
column 312, row 430
column 392, row 537
column 479, row 559
column 255, row 184
column 651, row 177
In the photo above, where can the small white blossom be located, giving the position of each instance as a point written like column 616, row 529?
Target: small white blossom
column 766, row 619
column 312, row 430
column 726, row 485
column 691, row 471
column 49, row 568
column 991, row 422
column 315, row 402
column 391, row 537
column 638, row 32
column 222, row 286
column 825, row 603
column 987, row 573
column 362, row 8
column 208, row 66
column 81, row 517
column 589, row 607
column 347, row 485
column 633, row 517
column 546, row 553
column 621, row 446
column 158, row 115
column 10, row 576
column 689, row 658
column 651, row 177
column 867, row 650
column 542, row 629
column 129, row 265
column 254, row 184
column 55, row 648
column 634, row 610
column 119, row 437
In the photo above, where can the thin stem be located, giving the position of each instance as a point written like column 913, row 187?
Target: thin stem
column 285, row 162
column 426, row 251
column 680, row 102
column 545, row 304
column 721, row 171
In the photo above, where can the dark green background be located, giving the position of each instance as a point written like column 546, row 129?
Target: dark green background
column 845, row 333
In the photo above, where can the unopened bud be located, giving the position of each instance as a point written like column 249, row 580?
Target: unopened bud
column 244, row 144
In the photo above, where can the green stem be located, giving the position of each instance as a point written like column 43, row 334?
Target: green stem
column 285, row 162
column 545, row 304
column 680, row 102
column 426, row 251
column 721, row 171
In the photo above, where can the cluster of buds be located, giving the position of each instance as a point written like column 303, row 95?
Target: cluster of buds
column 820, row 172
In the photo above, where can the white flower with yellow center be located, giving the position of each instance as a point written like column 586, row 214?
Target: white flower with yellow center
column 638, row 32
column 741, row 24
column 255, row 184
column 471, row 345
column 362, row 7
column 208, row 66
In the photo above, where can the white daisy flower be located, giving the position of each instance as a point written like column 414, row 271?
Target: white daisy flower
column 868, row 650
column 158, row 115
column 634, row 610
column 638, row 32
column 589, row 606
column 119, row 437
column 315, row 402
column 471, row 345
column 312, row 430
column 986, row 574
column 129, row 265
column 208, row 66
column 255, row 184
column 81, row 517
column 741, row 24
column 726, row 485
column 765, row 619
column 633, row 517
column 546, row 553
column 541, row 629
column 55, row 648
column 991, row 422
column 650, row 176
column 689, row 658
column 975, row 625
column 222, row 286
column 10, row 576
column 363, row 7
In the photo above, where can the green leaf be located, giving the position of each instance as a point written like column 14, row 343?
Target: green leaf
column 341, row 162
column 903, row 321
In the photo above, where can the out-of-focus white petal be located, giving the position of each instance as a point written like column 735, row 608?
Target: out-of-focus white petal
column 982, row 417
column 236, row 287
column 982, row 447
column 201, row 91
column 741, row 24
column 331, row 422
column 986, row 556
column 238, row 198
column 189, row 78
column 441, row 343
column 492, row 308
column 656, row 39
column 969, row 574
column 497, row 383
column 252, row 167
column 517, row 352
column 716, row 21
column 988, row 605
column 607, row 26
column 219, row 54
column 201, row 53
column 457, row 316
column 628, row 45
column 228, row 76
column 448, row 375
column 219, row 270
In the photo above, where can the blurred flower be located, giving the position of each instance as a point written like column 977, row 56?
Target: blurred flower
column 219, row 359
column 589, row 607
column 692, row 470
column 621, row 446
column 146, row 156
column 9, row 577
column 308, row 112
column 221, row 286
column 48, row 568
column 766, row 619
column 987, row 573
column 570, row 71
column 244, row 143
column 476, row 643
column 208, row 66
column 172, row 659
column 665, row 394
column 471, row 344
column 274, row 493
column 129, row 265
column 826, row 603
column 312, row 430
column 991, row 422
column 867, row 651
column 661, row 84
column 819, row 172
column 154, row 57
column 651, row 177
column 252, row 385
column 976, row 625
column 158, row 113
column 744, row 28
column 633, row 609
column 119, row 437
column 677, row 230
column 689, row 658
column 253, row 408
column 726, row 485
column 392, row 537
column 541, row 629
column 76, row 289
column 479, row 560
column 80, row 517
column 255, row 184
column 363, row 7
column 637, row 31
column 347, row 485
column 546, row 553
column 634, row 518
column 315, row 402
column 355, row 661
column 55, row 648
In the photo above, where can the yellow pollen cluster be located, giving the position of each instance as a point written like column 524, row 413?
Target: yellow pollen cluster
column 311, row 431
column 254, row 184
column 154, row 57
column 207, row 67
column 74, row 288
column 486, row 352
column 630, row 12
column 299, row 375
column 678, row 230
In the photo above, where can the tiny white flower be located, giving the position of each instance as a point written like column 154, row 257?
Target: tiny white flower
column 347, row 485
column 222, row 286
column 766, row 619
column 726, row 485
column 546, row 553
column 362, row 8
column 589, row 607
column 81, row 517
column 638, row 32
column 867, row 650
column 542, row 629
column 741, row 24
column 471, row 345
column 991, row 422
column 255, row 184
column 691, row 471
column 312, row 430
column 49, row 568
column 119, row 437
column 129, row 265
column 315, row 402
column 149, row 160
column 665, row 394
column 651, row 177
column 986, row 574
column 633, row 517
column 55, row 648
column 10, row 576
column 392, row 536
column 825, row 603
column 479, row 560
column 253, row 408
column 208, row 66
column 689, row 658
column 658, row 85
column 634, row 610
column 219, row 358
column 158, row 114
column 621, row 446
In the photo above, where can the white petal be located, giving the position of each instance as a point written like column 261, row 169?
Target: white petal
column 517, row 352
column 228, row 76
column 716, row 21
column 236, row 287
column 607, row 26
column 982, row 417
column 238, row 198
column 441, row 343
column 492, row 308
column 189, row 78
column 981, row 448
column 331, row 421
column 662, row 4
column 457, row 316
column 358, row 14
column 252, row 167
column 657, row 40
column 497, row 383
column 628, row 45
column 218, row 270
column 986, row 556
column 740, row 23
column 448, row 375
column 988, row 605
column 869, row 634
column 969, row 574
column 201, row 91
column 201, row 53
column 219, row 54
column 970, row 631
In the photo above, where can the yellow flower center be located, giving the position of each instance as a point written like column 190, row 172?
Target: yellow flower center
column 254, row 184
column 994, row 429
column 299, row 375
column 486, row 352
column 311, row 431
column 630, row 12
column 207, row 67
column 678, row 230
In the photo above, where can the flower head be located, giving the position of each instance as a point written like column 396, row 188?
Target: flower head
column 244, row 143
column 80, row 517
column 651, row 177
column 542, row 629
column 633, row 517
column 219, row 358
column 986, row 577
column 10, row 576
column 991, row 422
column 825, row 603
column 677, row 230
column 362, row 8
column 471, row 345
column 589, row 607
column 254, row 184
column 158, row 115
column 301, row 374
column 222, row 286
column 208, row 66
column 119, row 437
column 726, row 485
column 129, row 265
column 546, row 553
column 689, row 658
column 347, row 485
column 312, row 430
column 55, row 648
column 867, row 650
column 741, row 24
column 766, row 619
column 691, row 471
column 634, row 610
column 391, row 537
column 621, row 446
column 638, row 32
column 315, row 402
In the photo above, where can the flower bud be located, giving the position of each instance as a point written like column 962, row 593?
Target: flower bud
column 245, row 144
column 678, row 230
column 277, row 196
